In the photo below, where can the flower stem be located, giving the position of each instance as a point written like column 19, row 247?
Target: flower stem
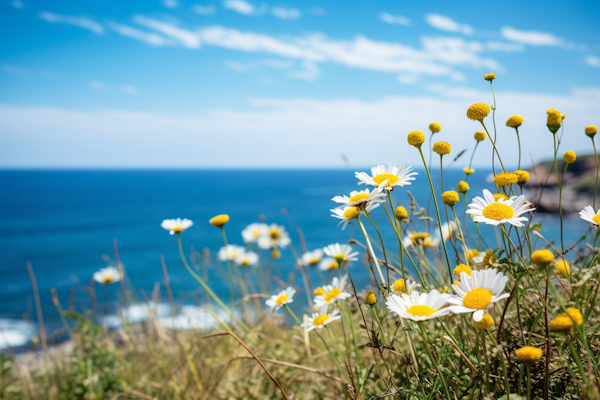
column 519, row 141
column 437, row 211
column 597, row 170
column 289, row 310
column 228, row 270
column 433, row 359
column 362, row 227
column 495, row 149
column 205, row 286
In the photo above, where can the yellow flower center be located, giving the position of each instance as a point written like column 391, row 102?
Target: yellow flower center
column 320, row 320
column 498, row 211
column 281, row 299
column 319, row 291
column 399, row 285
column 255, row 234
column 332, row 294
column 596, row 219
column 107, row 279
column 177, row 229
column 418, row 236
column 245, row 263
column 339, row 258
column 420, row 311
column 357, row 198
column 351, row 213
column 274, row 233
column 478, row 298
column 382, row 177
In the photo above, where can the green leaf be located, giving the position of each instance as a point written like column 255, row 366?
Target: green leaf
column 536, row 227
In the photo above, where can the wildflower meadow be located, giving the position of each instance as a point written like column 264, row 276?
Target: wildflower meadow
column 445, row 313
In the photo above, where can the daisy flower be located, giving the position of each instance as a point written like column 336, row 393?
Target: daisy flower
column 387, row 178
column 320, row 319
column 312, row 257
column 359, row 198
column 107, row 275
column 176, row 225
column 284, row 297
column 340, row 252
column 275, row 236
column 413, row 237
column 230, row 252
column 589, row 215
column 495, row 212
column 448, row 230
column 247, row 259
column 347, row 214
column 332, row 293
column 252, row 232
column 328, row 263
column 400, row 285
column 419, row 306
column 478, row 292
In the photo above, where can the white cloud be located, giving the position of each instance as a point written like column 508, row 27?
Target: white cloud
column 129, row 89
column 281, row 132
column 171, row 4
column 204, row 10
column 240, row 6
column 257, row 65
column 286, row 13
column 447, row 24
column 532, row 38
column 394, row 19
column 25, row 72
column 592, row 61
column 18, row 4
column 361, row 52
column 151, row 38
column 96, row 85
column 238, row 66
column 185, row 37
column 80, row 22
column 504, row 46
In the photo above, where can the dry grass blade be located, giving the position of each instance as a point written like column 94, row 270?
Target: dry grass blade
column 302, row 367
column 253, row 355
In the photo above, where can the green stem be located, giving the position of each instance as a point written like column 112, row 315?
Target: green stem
column 382, row 245
column 362, row 227
column 519, row 141
column 289, row 310
column 205, row 286
column 433, row 359
column 437, row 211
column 597, row 170
column 560, row 183
column 494, row 145
column 528, row 382
column 228, row 270
column 576, row 357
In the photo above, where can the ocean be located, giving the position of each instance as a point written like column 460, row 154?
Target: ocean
column 64, row 223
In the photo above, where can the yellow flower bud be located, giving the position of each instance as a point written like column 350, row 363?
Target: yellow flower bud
column 441, row 148
column 490, row 77
column 505, row 179
column 219, row 220
column 591, row 130
column 319, row 291
column 435, row 127
column 478, row 111
column 554, row 120
column 522, row 176
column 468, row 171
column 529, row 354
column 486, row 322
column 562, row 323
column 480, row 136
column 569, row 157
column 542, row 257
column 351, row 213
column 498, row 196
column 276, row 254
column 473, row 253
column 399, row 285
column 371, row 299
column 401, row 212
column 515, row 121
column 463, row 187
column 450, row 198
column 562, row 267
column 575, row 315
column 462, row 268
column 416, row 138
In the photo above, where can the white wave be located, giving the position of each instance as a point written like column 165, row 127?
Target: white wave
column 194, row 318
column 136, row 313
column 15, row 332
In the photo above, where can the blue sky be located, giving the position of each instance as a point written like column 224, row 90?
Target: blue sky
column 295, row 84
